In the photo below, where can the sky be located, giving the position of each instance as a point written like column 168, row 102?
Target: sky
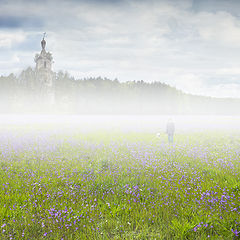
column 193, row 45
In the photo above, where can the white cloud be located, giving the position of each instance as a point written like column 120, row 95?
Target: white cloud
column 220, row 28
column 151, row 40
column 224, row 90
column 8, row 39
column 229, row 71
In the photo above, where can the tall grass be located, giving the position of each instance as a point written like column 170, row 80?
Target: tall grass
column 119, row 186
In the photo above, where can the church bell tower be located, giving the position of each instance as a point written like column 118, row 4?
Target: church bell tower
column 45, row 75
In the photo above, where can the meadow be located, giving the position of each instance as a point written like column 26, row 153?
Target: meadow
column 119, row 185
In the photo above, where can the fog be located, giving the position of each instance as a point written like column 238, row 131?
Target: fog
column 122, row 123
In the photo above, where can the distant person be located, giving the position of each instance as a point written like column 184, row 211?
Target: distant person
column 170, row 130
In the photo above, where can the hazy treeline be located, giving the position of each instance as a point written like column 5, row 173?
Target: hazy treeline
column 104, row 96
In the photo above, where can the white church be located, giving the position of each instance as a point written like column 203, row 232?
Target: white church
column 44, row 74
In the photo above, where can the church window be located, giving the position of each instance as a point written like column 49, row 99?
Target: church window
column 45, row 64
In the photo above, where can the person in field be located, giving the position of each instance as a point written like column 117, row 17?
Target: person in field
column 170, row 129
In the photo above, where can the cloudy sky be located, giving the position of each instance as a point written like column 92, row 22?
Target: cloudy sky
column 193, row 45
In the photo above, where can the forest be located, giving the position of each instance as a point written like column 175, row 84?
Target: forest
column 98, row 95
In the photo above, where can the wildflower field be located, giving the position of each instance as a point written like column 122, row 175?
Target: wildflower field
column 114, row 185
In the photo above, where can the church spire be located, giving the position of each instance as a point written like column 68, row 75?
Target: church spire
column 43, row 42
column 44, row 59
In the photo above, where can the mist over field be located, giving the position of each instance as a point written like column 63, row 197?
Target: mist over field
column 119, row 177
column 123, row 123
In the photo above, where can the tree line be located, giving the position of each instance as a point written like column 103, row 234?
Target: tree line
column 98, row 95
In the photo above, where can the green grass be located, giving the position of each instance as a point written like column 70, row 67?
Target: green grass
column 119, row 186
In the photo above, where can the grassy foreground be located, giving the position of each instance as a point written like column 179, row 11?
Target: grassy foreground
column 119, row 186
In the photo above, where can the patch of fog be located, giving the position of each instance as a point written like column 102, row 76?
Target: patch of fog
column 137, row 123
